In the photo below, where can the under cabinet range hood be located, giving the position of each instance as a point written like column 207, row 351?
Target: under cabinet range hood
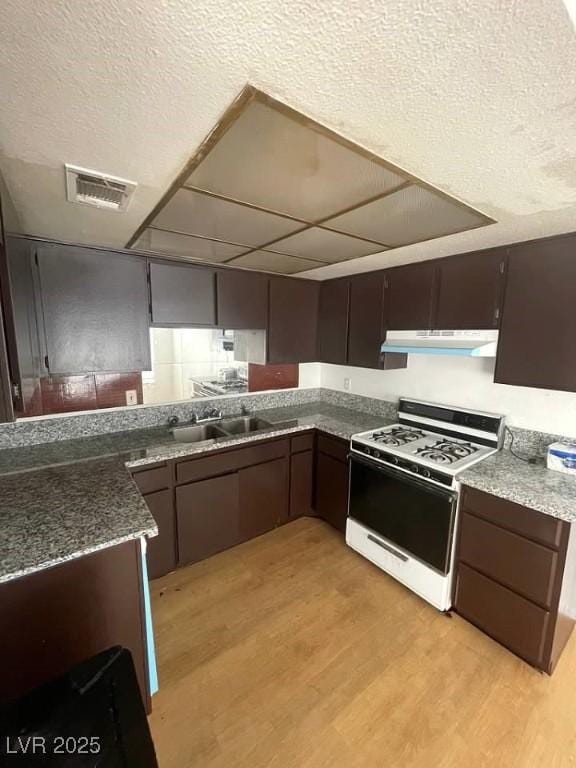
column 462, row 343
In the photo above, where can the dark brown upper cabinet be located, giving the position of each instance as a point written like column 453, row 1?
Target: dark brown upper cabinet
column 94, row 307
column 333, row 322
column 470, row 289
column 293, row 320
column 242, row 299
column 6, row 409
column 409, row 296
column 182, row 295
column 9, row 370
column 365, row 335
column 538, row 326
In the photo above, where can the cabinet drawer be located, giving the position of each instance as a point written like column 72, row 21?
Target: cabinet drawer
column 302, row 443
column 526, row 522
column 510, row 619
column 516, row 562
column 151, row 480
column 333, row 446
column 230, row 461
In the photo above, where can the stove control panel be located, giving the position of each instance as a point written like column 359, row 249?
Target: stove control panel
column 408, row 465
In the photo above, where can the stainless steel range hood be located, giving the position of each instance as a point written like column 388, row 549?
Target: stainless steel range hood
column 455, row 343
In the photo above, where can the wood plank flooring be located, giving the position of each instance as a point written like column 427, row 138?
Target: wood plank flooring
column 291, row 651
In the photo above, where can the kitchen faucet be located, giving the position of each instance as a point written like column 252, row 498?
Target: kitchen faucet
column 208, row 414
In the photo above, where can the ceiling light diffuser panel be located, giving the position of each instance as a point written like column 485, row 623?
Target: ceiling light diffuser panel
column 198, row 214
column 186, row 246
column 271, row 189
column 324, row 245
column 410, row 215
column 277, row 161
column 276, row 262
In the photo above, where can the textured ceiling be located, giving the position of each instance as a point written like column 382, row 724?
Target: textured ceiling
column 478, row 99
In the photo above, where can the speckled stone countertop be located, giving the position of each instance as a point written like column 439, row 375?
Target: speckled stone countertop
column 62, row 500
column 531, row 485
column 53, row 515
column 334, row 420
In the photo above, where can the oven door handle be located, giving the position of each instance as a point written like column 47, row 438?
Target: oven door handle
column 405, row 477
column 391, row 550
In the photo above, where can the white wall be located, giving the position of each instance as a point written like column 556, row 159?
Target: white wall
column 465, row 382
column 309, row 375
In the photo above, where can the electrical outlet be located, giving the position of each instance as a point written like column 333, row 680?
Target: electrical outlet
column 347, row 384
column 131, row 397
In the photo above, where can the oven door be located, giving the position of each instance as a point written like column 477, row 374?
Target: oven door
column 413, row 515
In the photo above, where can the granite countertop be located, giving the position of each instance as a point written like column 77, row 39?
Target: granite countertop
column 531, row 485
column 53, row 515
column 331, row 419
column 62, row 500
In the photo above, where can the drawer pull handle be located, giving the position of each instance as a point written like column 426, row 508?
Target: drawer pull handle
column 394, row 552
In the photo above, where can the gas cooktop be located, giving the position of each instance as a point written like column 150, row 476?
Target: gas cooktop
column 434, row 442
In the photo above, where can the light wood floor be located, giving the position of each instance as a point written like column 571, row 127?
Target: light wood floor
column 291, row 651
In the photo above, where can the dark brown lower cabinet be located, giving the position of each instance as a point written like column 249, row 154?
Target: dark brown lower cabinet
column 515, row 622
column 331, row 492
column 263, row 500
column 208, row 503
column 161, row 551
column 301, row 484
column 61, row 616
column 511, row 562
column 155, row 484
column 207, row 514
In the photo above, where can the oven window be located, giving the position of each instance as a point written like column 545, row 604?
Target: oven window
column 416, row 518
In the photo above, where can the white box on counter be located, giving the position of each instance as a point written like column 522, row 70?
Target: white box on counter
column 562, row 458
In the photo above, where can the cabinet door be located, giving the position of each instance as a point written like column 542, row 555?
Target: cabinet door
column 9, row 373
column 95, row 310
column 182, row 295
column 409, row 296
column 301, row 483
column 332, row 490
column 333, row 322
column 365, row 334
column 207, row 514
column 263, row 497
column 538, row 327
column 161, row 549
column 242, row 300
column 470, row 291
column 6, row 409
column 30, row 365
column 293, row 320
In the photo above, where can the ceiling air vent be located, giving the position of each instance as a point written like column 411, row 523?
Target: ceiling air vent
column 99, row 189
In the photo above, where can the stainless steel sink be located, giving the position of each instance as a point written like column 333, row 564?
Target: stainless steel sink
column 198, row 433
column 244, row 424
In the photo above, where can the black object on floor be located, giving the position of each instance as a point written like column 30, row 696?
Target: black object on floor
column 92, row 717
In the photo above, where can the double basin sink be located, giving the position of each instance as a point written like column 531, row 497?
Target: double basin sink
column 204, row 433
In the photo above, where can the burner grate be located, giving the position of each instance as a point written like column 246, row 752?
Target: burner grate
column 447, row 451
column 398, row 436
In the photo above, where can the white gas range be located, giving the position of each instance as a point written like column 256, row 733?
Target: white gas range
column 403, row 498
